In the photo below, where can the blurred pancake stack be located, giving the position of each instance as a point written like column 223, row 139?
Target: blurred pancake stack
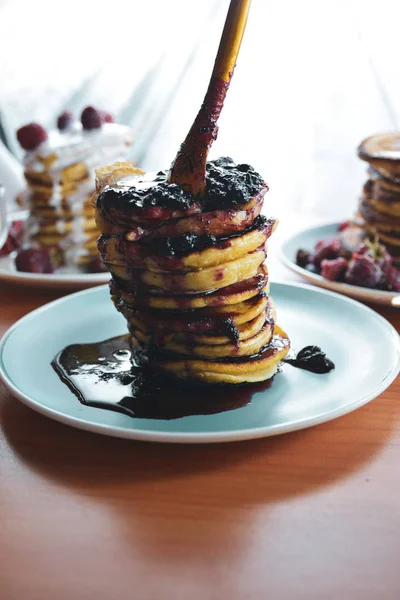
column 379, row 207
column 188, row 273
column 59, row 170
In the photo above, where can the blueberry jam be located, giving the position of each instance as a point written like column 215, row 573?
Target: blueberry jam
column 311, row 358
column 227, row 184
column 103, row 375
column 182, row 245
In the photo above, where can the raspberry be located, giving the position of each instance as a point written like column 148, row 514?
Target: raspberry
column 13, row 241
column 91, row 118
column 303, row 257
column 385, row 262
column 393, row 279
column 65, row 120
column 377, row 252
column 351, row 237
column 344, row 226
column 334, row 269
column 326, row 249
column 31, row 136
column 34, row 261
column 363, row 271
column 16, row 229
column 8, row 247
column 107, row 118
column 362, row 249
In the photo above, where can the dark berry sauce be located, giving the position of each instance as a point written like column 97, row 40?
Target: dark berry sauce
column 103, row 375
column 182, row 245
column 311, row 358
column 227, row 184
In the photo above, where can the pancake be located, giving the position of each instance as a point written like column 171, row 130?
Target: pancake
column 374, row 189
column 192, row 282
column 70, row 174
column 215, row 320
column 63, row 226
column 116, row 214
column 376, row 218
column 244, row 332
column 390, row 185
column 145, row 296
column 382, row 152
column 212, row 351
column 233, row 346
column 173, row 254
column 216, row 223
column 258, row 367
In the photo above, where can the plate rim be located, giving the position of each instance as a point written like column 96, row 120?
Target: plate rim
column 192, row 437
column 80, row 278
column 354, row 291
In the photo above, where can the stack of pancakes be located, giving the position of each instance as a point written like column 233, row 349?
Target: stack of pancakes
column 60, row 186
column 189, row 274
column 379, row 207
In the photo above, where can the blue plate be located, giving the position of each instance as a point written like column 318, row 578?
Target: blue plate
column 297, row 399
column 307, row 239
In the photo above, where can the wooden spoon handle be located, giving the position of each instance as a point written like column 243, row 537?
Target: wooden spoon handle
column 189, row 167
column 231, row 39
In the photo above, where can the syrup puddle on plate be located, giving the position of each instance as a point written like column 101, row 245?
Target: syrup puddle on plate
column 103, row 375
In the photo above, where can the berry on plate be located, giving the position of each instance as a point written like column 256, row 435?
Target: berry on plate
column 334, row 269
column 34, row 260
column 363, row 271
column 326, row 249
column 303, row 257
column 31, row 136
column 13, row 241
column 92, row 118
column 65, row 120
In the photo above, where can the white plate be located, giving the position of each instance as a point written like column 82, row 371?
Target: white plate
column 306, row 240
column 297, row 399
column 69, row 281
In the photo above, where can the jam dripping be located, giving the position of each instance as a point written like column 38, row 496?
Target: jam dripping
column 227, row 184
column 182, row 245
column 103, row 375
column 311, row 358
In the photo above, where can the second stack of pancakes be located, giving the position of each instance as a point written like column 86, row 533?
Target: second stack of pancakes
column 379, row 207
column 61, row 214
column 60, row 183
column 189, row 274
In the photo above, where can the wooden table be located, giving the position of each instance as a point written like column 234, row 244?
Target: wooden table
column 310, row 515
